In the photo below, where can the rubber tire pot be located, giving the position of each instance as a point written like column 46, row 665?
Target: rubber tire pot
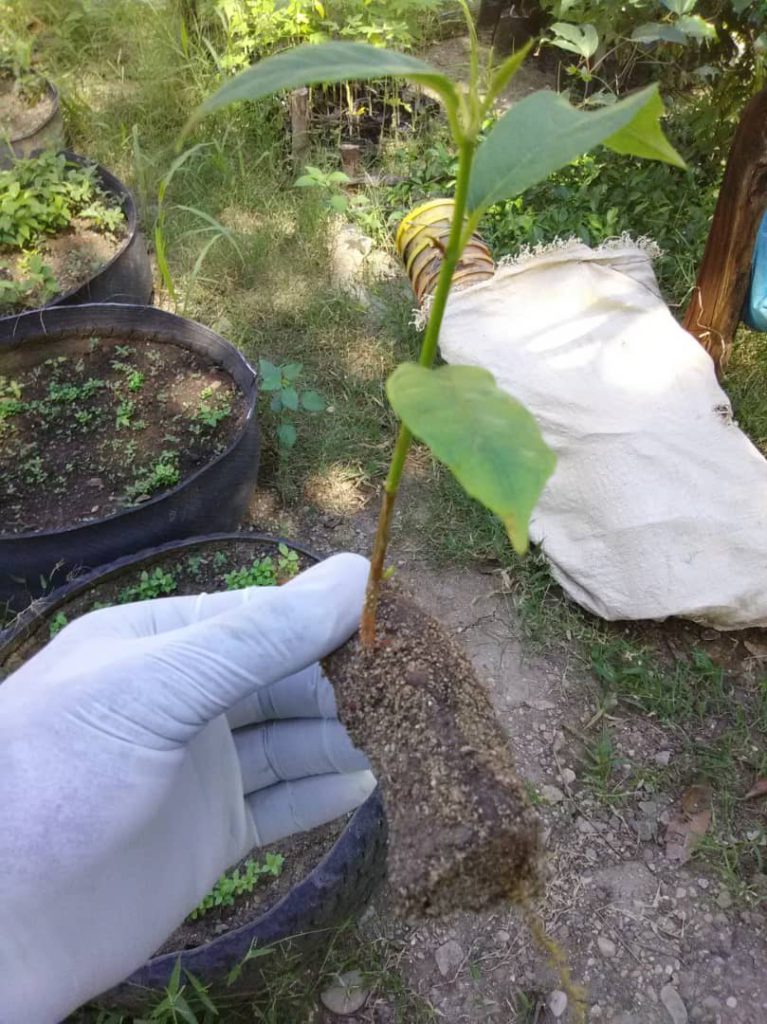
column 211, row 499
column 127, row 276
column 48, row 135
column 337, row 889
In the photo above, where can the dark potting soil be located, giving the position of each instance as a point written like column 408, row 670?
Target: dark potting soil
column 23, row 110
column 461, row 831
column 90, row 432
column 209, row 567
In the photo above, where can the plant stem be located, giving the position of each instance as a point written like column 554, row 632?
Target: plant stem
column 455, row 245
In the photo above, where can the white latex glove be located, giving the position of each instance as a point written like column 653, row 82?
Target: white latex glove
column 124, row 792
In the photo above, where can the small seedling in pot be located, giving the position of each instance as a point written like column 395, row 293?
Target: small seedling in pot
column 211, row 411
column 240, row 882
column 406, row 693
column 124, row 413
column 287, row 399
column 160, row 475
column 157, row 583
column 57, row 623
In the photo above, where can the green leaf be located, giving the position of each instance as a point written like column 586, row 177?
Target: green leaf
column 276, row 403
column 286, row 434
column 643, row 136
column 490, row 441
column 508, row 69
column 305, row 181
column 695, row 27
column 656, row 31
column 291, row 371
column 289, row 398
column 580, row 39
column 542, row 133
column 271, row 377
column 327, row 62
column 312, row 401
column 338, row 203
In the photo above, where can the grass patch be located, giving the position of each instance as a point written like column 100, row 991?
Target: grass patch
column 290, row 990
column 717, row 723
column 744, row 382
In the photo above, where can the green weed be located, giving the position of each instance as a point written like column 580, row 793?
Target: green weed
column 265, row 572
column 159, row 476
column 157, row 583
column 239, row 882
column 286, row 398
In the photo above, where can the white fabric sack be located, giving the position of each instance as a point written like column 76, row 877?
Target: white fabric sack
column 658, row 504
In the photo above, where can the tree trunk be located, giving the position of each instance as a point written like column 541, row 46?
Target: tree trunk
column 714, row 311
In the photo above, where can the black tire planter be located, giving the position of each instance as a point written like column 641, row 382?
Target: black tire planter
column 127, row 276
column 211, row 499
column 48, row 135
column 336, row 890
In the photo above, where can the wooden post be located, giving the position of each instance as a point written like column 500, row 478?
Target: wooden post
column 714, row 311
column 299, row 122
column 351, row 159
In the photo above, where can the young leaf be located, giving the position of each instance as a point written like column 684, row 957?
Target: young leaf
column 291, row 371
column 326, row 62
column 643, row 136
column 543, row 132
column 312, row 401
column 490, row 441
column 338, row 203
column 276, row 403
column 504, row 74
column 271, row 378
column 289, row 398
column 580, row 39
column 657, row 31
column 286, row 434
column 695, row 27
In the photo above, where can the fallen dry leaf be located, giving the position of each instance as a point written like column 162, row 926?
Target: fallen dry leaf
column 689, row 823
column 758, row 789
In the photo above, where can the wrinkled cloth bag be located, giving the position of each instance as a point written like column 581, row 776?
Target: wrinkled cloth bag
column 658, row 503
column 755, row 311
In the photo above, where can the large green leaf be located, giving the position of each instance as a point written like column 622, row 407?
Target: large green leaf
column 542, row 133
column 580, row 39
column 326, row 62
column 490, row 441
column 643, row 136
column 658, row 31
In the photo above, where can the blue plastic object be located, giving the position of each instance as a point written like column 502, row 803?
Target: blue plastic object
column 755, row 309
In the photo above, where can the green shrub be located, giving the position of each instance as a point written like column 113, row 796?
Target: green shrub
column 41, row 196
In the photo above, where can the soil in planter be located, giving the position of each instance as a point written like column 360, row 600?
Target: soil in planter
column 24, row 107
column 461, row 831
column 89, row 433
column 209, row 567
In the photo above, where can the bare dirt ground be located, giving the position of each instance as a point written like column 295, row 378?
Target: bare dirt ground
column 651, row 941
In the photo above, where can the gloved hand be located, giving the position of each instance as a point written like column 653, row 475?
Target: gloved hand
column 125, row 791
